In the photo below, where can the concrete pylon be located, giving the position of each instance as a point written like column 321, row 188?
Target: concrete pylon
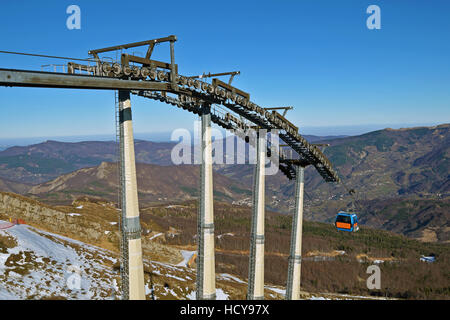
column 256, row 263
column 206, row 278
column 133, row 268
column 295, row 256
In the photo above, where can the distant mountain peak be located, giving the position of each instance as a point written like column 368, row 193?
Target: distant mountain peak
column 440, row 126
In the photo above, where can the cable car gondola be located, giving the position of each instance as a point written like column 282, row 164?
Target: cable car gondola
column 346, row 221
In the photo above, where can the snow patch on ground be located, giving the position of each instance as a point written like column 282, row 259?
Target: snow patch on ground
column 186, row 256
column 45, row 264
column 72, row 214
column 318, row 298
column 277, row 290
column 5, row 295
column 220, row 295
column 225, row 234
column 155, row 236
column 191, row 295
column 378, row 261
column 229, row 277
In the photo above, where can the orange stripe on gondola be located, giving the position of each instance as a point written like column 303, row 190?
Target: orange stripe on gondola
column 343, row 225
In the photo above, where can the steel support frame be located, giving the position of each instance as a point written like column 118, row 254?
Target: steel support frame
column 206, row 286
column 295, row 256
column 24, row 78
column 151, row 43
column 256, row 260
column 41, row 79
column 130, row 211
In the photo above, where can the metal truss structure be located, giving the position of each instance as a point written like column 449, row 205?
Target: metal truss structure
column 214, row 101
column 158, row 80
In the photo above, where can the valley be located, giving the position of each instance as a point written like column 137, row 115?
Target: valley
column 67, row 194
column 401, row 178
column 334, row 264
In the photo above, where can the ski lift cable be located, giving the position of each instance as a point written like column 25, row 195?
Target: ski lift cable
column 352, row 193
column 47, row 56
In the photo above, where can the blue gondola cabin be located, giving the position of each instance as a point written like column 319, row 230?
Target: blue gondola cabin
column 346, row 222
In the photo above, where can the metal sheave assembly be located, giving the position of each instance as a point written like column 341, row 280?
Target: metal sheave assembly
column 126, row 70
column 152, row 74
column 117, row 69
column 145, row 72
column 161, row 75
column 106, row 67
column 136, row 71
column 183, row 81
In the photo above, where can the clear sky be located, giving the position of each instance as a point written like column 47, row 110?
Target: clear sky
column 318, row 56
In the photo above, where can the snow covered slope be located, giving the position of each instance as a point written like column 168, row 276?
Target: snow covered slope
column 44, row 265
column 40, row 265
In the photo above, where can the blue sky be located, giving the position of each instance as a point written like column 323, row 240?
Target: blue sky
column 318, row 56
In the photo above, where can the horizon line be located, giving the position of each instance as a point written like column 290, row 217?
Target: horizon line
column 358, row 129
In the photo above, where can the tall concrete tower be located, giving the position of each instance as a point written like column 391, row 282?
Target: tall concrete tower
column 133, row 268
column 256, row 262
column 206, row 281
column 295, row 256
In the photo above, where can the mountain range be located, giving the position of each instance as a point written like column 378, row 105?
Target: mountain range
column 156, row 183
column 401, row 178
